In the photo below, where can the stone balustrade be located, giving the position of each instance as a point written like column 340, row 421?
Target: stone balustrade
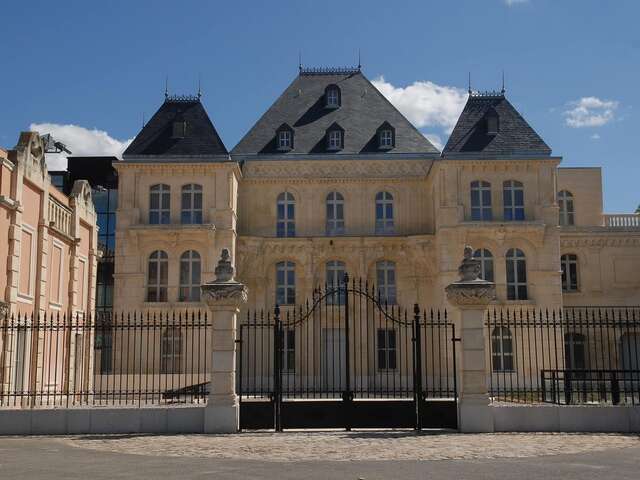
column 628, row 220
column 59, row 217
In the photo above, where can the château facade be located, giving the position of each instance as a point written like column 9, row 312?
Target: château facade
column 333, row 179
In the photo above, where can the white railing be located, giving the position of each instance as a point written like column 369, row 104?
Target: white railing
column 622, row 220
column 59, row 216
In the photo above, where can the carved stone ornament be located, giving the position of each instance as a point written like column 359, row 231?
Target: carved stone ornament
column 4, row 310
column 470, row 290
column 224, row 290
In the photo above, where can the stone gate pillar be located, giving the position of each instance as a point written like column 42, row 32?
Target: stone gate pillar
column 224, row 296
column 472, row 295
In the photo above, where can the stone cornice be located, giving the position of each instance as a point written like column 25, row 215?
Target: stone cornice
column 475, row 159
column 625, row 240
column 336, row 169
column 177, row 167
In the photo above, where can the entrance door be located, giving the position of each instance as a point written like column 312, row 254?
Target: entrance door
column 333, row 360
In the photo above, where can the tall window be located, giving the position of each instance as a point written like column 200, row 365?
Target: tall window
column 565, row 202
column 189, row 276
column 486, row 263
column 384, row 213
column 170, row 350
column 160, row 204
column 387, row 349
column 513, row 198
column 286, row 212
column 516, row 275
column 335, row 214
column 569, row 264
column 335, row 271
column 502, row 350
column 285, row 283
column 481, row 201
column 574, row 351
column 386, row 279
column 191, row 212
column 289, row 350
column 158, row 276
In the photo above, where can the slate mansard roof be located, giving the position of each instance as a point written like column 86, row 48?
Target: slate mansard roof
column 514, row 136
column 362, row 111
column 156, row 139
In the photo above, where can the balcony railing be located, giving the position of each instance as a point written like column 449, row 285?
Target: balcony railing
column 628, row 220
column 59, row 217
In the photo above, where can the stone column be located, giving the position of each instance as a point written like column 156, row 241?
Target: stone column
column 472, row 295
column 224, row 296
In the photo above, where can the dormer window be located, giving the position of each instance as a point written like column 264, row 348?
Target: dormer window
column 332, row 96
column 179, row 129
column 386, row 137
column 492, row 123
column 335, row 138
column 284, row 138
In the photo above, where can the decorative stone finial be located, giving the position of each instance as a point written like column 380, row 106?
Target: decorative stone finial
column 224, row 271
column 470, row 289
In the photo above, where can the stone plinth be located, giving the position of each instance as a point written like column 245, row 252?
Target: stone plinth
column 472, row 295
column 223, row 296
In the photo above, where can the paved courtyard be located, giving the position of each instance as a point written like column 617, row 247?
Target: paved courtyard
column 322, row 455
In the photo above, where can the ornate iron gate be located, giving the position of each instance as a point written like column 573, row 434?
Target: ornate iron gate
column 347, row 358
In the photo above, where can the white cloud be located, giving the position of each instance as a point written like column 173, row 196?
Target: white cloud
column 590, row 112
column 425, row 103
column 595, row 136
column 435, row 139
column 81, row 141
column 511, row 3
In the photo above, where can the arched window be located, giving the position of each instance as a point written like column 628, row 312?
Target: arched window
column 569, row 264
column 386, row 279
column 286, row 212
column 191, row 212
column 335, row 271
column 565, row 202
column 157, row 276
column 486, row 263
column 516, row 264
column 574, row 351
column 481, row 201
column 332, row 96
column 171, row 350
column 285, row 283
column 190, row 276
column 335, row 214
column 501, row 350
column 384, row 213
column 513, row 199
column 160, row 204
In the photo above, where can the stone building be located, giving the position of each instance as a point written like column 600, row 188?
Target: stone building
column 333, row 179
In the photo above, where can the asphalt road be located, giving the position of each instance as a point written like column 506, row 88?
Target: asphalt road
column 50, row 458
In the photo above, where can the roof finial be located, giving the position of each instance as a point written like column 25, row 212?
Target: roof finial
column 469, row 83
column 166, row 87
column 299, row 61
column 359, row 62
column 199, row 86
column 503, row 90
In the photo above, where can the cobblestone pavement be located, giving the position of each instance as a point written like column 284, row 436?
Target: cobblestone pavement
column 355, row 446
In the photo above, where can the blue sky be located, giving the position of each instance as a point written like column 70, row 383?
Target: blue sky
column 572, row 67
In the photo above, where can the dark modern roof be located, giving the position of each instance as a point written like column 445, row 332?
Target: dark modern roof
column 156, row 137
column 515, row 136
column 362, row 111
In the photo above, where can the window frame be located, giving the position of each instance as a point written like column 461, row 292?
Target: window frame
column 170, row 356
column 386, row 351
column 386, row 287
column 190, row 258
column 513, row 211
column 481, row 211
column 285, row 223
column 570, row 285
column 335, row 224
column 486, row 258
column 333, row 93
column 161, row 281
column 513, row 259
column 501, row 338
column 335, row 139
column 335, row 271
column 195, row 215
column 286, row 290
column 566, row 209
column 163, row 192
column 385, row 225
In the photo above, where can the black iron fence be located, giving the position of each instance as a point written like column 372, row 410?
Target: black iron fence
column 580, row 355
column 127, row 359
